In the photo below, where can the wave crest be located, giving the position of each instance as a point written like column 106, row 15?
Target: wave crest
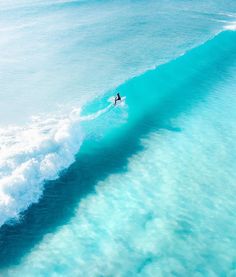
column 31, row 155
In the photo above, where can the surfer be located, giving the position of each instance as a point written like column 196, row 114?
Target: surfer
column 118, row 98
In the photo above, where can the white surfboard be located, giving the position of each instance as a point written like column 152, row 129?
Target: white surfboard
column 119, row 102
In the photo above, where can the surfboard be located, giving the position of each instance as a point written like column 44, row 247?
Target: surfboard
column 118, row 103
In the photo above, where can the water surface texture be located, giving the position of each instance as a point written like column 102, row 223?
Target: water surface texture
column 146, row 188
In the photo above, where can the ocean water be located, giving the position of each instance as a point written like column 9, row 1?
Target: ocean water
column 146, row 188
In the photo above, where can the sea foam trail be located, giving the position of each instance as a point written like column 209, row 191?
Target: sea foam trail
column 96, row 114
column 39, row 152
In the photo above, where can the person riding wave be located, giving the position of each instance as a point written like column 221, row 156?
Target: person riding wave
column 118, row 98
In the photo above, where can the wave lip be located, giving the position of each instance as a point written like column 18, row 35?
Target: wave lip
column 231, row 26
column 29, row 156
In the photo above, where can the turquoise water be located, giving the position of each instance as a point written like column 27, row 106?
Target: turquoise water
column 142, row 189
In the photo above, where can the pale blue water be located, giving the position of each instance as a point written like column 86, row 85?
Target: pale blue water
column 142, row 189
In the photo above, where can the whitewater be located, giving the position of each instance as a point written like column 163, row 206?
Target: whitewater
column 142, row 189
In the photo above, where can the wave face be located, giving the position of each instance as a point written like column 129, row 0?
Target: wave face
column 164, row 180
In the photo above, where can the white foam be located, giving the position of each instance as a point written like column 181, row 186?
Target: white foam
column 96, row 114
column 231, row 26
column 32, row 154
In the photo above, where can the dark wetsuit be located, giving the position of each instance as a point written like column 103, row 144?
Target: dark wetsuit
column 118, row 98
